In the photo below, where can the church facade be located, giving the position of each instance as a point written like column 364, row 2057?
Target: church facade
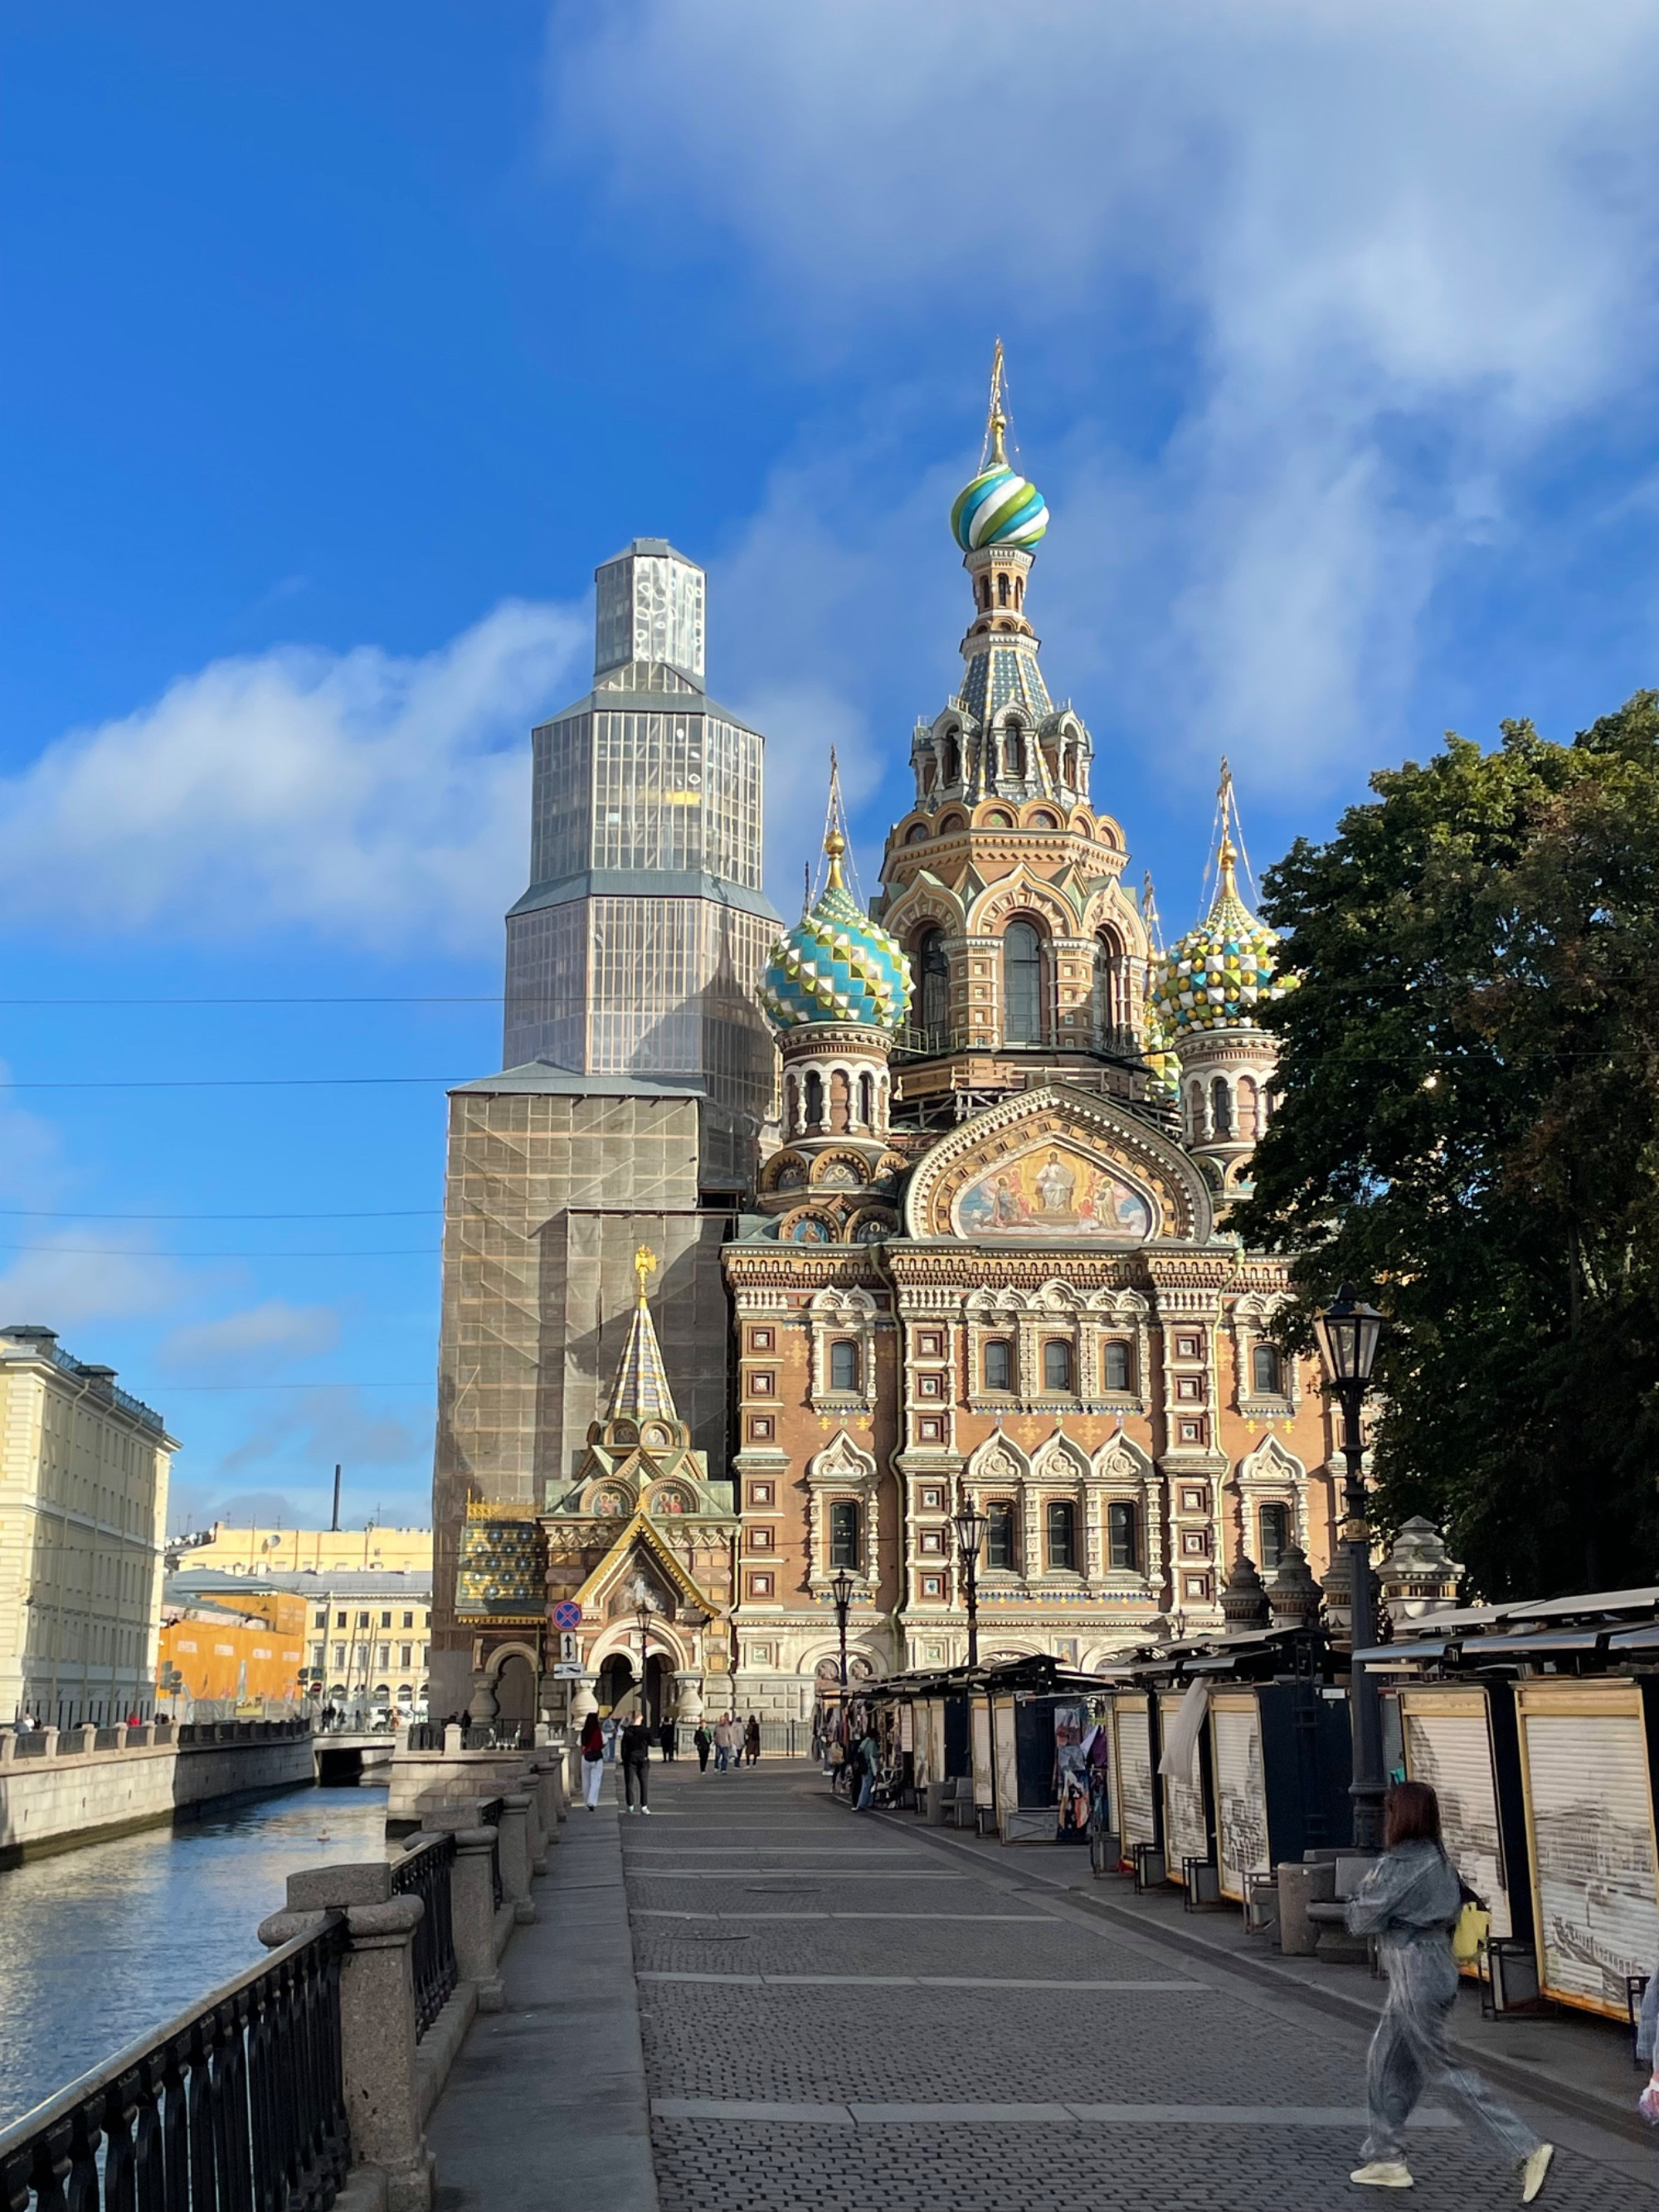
column 981, row 1260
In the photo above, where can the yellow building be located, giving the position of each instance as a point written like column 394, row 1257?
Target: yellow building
column 83, row 1496
column 309, row 1551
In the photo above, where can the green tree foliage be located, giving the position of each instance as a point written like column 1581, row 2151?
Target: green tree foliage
column 1469, row 1130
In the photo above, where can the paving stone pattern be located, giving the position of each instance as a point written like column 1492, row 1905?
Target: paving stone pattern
column 770, row 1842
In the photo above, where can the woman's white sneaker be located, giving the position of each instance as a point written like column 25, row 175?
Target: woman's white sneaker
column 1383, row 2174
column 1533, row 2172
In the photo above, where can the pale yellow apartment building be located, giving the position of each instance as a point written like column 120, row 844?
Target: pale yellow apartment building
column 83, row 1501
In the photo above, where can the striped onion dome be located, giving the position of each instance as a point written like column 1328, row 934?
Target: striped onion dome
column 998, row 508
column 1218, row 973
column 837, row 965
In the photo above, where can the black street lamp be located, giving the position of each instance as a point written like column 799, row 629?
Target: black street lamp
column 642, row 1614
column 970, row 1537
column 1348, row 1331
column 840, row 1595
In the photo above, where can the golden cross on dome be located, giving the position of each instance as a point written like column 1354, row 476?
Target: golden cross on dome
column 996, row 418
column 645, row 1266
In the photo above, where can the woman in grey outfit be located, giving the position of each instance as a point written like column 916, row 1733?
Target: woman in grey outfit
column 1410, row 1902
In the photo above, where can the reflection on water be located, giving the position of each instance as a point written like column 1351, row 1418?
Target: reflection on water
column 99, row 1945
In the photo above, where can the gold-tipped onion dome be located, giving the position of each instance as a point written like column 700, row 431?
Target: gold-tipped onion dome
column 1217, row 974
column 836, row 964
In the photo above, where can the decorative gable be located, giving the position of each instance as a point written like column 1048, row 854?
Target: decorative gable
column 1057, row 1166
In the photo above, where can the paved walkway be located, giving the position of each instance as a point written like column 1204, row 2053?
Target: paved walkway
column 842, row 2010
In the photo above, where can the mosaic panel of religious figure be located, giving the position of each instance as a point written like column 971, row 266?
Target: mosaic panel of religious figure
column 1051, row 1192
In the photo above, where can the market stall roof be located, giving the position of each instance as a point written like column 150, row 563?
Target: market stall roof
column 1415, row 1652
column 1540, row 1643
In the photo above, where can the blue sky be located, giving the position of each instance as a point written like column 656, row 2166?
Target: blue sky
column 343, row 343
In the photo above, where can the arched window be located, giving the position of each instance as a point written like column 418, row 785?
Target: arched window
column 1013, row 755
column 1002, row 591
column 1022, row 984
column 1019, row 591
column 1274, row 1523
column 846, row 1533
column 814, row 1099
column 1123, row 1536
column 1114, row 1365
column 1197, row 1127
column 1221, row 1107
column 1057, row 1364
column 1105, row 979
column 1062, row 1533
column 934, row 974
column 999, row 1546
column 843, row 1365
column 792, row 1105
column 1266, row 1370
column 998, row 1364
column 952, row 760
column 1247, row 1108
column 982, row 590
column 917, row 833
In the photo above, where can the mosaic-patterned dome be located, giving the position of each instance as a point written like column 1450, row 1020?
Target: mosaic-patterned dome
column 1159, row 1056
column 1218, row 974
column 836, row 964
column 998, row 508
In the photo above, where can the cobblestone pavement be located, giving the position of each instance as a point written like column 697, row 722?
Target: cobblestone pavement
column 838, row 2012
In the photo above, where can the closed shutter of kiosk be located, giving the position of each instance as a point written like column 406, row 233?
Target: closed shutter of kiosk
column 981, row 1725
column 1241, row 1802
column 1591, row 1819
column 1452, row 1752
column 1186, row 1834
column 1134, row 1776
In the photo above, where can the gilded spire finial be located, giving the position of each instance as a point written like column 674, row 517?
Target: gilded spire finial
column 645, row 1266
column 835, row 827
column 996, row 418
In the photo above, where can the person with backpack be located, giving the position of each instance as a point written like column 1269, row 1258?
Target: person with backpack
column 593, row 1751
column 1410, row 1901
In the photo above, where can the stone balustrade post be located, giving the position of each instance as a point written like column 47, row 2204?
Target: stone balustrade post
column 377, row 2017
column 548, row 1767
column 515, row 1855
column 8, row 1746
column 49, row 1748
column 535, row 1827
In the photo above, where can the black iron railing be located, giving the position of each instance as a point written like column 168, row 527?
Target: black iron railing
column 491, row 1816
column 237, row 2107
column 424, row 1872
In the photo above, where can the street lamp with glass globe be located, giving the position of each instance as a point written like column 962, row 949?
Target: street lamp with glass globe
column 1349, row 1332
column 970, row 1538
column 642, row 1614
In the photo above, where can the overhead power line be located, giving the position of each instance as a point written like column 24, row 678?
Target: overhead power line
column 144, row 1252
column 85, row 1213
column 489, row 998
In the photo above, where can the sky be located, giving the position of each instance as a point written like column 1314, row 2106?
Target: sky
column 341, row 345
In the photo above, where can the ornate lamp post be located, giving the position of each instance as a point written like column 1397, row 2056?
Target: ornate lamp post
column 1348, row 1331
column 841, row 1596
column 642, row 1614
column 970, row 1536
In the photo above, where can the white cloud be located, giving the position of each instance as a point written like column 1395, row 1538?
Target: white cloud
column 314, row 1428
column 362, row 795
column 90, row 1273
column 1368, row 259
column 249, row 1346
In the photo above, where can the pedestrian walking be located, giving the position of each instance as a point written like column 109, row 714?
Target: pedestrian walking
column 665, row 1738
column 636, row 1751
column 722, row 1743
column 751, row 1739
column 869, row 1759
column 1410, row 1901
column 1647, row 2048
column 593, row 1751
column 702, row 1743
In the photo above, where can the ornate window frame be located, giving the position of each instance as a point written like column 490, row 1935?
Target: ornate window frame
column 837, row 1313
column 1272, row 1474
column 1059, row 1476
column 1251, row 1321
column 1109, row 1315
column 843, row 1470
column 1122, row 1474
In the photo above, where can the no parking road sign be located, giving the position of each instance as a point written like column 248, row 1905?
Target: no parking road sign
column 567, row 1613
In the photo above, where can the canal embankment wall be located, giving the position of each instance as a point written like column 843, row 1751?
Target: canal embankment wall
column 62, row 1788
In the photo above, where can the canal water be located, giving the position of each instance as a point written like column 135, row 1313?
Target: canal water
column 99, row 1945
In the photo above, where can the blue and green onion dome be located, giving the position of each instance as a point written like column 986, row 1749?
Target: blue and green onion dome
column 998, row 508
column 837, row 965
column 1219, row 973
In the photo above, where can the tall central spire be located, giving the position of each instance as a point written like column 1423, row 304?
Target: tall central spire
column 641, row 1391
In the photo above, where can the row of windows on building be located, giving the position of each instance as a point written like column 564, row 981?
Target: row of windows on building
column 1029, row 986
column 1125, row 1551
column 320, row 1619
column 359, row 1654
column 1058, row 1356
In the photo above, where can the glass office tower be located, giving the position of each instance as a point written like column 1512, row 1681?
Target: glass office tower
column 636, row 949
